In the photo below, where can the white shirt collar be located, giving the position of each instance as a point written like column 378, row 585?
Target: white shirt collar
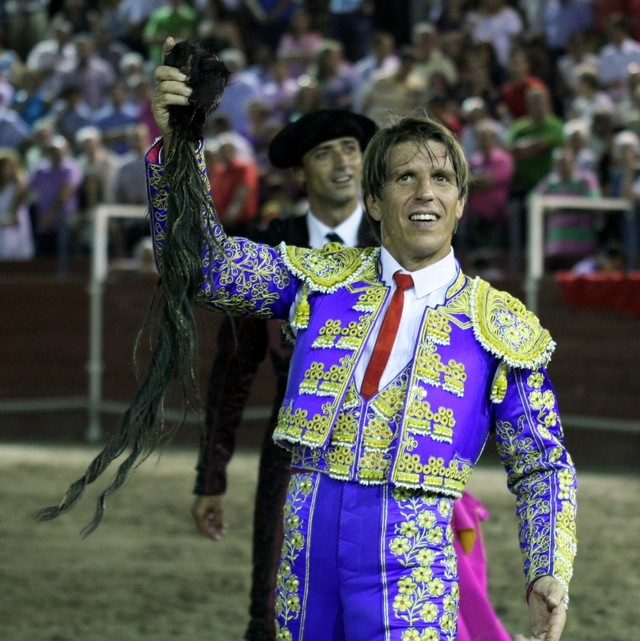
column 347, row 230
column 426, row 280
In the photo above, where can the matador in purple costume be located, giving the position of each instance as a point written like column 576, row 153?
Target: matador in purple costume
column 368, row 546
column 324, row 148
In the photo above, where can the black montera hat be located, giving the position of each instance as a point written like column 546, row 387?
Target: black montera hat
column 297, row 138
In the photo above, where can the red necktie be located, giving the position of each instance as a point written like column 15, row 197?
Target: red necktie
column 386, row 337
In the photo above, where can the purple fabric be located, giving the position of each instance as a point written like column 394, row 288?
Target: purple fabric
column 365, row 563
column 47, row 182
column 253, row 279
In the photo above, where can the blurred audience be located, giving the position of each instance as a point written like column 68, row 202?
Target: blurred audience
column 14, row 131
column 485, row 223
column 177, row 18
column 350, row 22
column 88, row 71
column 380, row 60
column 616, row 56
column 299, row 44
column 16, row 234
column 515, row 79
column 333, row 76
column 116, row 117
column 513, row 94
column 497, row 23
column 243, row 87
column 571, row 233
column 395, row 92
column 532, row 139
column 234, row 185
column 429, row 57
column 54, row 184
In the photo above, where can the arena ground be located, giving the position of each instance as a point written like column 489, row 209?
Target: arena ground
column 146, row 575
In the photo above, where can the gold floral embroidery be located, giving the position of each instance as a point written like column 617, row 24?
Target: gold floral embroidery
column 504, row 327
column 438, row 327
column 457, row 310
column 330, row 383
column 430, row 369
column 295, row 427
column 546, row 501
column 565, row 536
column 545, row 403
column 306, row 458
column 340, row 460
column 345, row 430
column 371, row 299
column 389, row 401
column 247, row 279
column 288, row 604
column 499, row 384
column 330, row 268
column 327, row 334
column 383, row 417
column 433, row 475
column 420, row 594
column 373, row 467
column 421, row 420
column 352, row 399
column 248, row 274
column 303, row 311
column 349, row 337
column 377, row 434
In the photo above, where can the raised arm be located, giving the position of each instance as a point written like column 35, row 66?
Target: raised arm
column 239, row 276
column 198, row 263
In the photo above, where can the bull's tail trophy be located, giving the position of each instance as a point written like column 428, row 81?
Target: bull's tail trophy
column 174, row 355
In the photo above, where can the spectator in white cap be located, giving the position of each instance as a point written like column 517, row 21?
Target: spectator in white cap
column 99, row 167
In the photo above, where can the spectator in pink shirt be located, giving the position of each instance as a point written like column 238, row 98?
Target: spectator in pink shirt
column 491, row 168
column 299, row 45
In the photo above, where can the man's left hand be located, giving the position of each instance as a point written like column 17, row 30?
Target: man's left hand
column 547, row 613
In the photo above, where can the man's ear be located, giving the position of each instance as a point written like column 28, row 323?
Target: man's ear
column 373, row 208
column 460, row 207
column 298, row 172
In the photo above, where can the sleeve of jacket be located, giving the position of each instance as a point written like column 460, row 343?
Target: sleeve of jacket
column 241, row 347
column 540, row 473
column 243, row 278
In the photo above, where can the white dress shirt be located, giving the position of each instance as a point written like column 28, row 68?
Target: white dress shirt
column 347, row 230
column 430, row 288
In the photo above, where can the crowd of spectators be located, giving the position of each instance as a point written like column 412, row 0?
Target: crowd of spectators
column 544, row 95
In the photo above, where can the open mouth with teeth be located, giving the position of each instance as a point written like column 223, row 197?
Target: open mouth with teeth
column 423, row 218
column 341, row 180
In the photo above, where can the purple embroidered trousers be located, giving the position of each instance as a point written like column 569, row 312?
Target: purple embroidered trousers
column 365, row 563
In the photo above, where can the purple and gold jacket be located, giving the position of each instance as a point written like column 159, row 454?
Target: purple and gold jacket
column 479, row 367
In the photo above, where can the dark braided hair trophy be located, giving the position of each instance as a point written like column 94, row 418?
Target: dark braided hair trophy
column 174, row 355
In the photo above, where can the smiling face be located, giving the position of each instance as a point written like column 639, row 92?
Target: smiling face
column 419, row 204
column 332, row 172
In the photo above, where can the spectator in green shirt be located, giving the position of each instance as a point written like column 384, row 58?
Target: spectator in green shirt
column 532, row 139
column 177, row 19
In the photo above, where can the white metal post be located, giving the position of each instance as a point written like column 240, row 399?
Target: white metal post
column 99, row 270
column 538, row 206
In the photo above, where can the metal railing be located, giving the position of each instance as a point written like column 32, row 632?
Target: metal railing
column 539, row 205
